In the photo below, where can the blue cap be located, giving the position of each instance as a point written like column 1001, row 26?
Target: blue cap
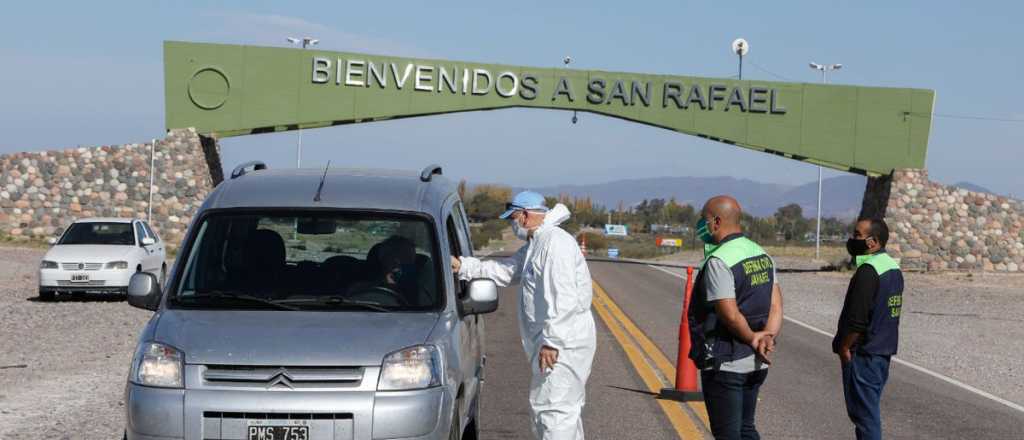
column 524, row 200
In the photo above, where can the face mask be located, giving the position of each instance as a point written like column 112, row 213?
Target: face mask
column 856, row 247
column 521, row 232
column 703, row 232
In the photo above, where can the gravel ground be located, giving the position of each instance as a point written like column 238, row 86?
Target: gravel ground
column 965, row 326
column 62, row 364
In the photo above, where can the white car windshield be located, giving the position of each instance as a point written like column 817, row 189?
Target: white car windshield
column 99, row 233
column 298, row 260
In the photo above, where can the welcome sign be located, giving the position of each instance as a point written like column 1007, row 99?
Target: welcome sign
column 230, row 90
column 507, row 84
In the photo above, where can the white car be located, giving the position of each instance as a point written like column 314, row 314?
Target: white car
column 99, row 255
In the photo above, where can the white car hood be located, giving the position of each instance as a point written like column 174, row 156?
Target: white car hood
column 88, row 253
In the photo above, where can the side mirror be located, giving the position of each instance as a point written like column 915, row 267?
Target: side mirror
column 148, row 241
column 52, row 241
column 144, row 291
column 482, row 298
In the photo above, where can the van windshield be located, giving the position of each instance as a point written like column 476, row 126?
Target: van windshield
column 318, row 260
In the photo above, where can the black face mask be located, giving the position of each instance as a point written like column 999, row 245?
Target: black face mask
column 856, row 247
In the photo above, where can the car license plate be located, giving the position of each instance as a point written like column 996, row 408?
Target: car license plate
column 278, row 432
column 80, row 278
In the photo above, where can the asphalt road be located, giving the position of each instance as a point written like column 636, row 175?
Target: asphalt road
column 618, row 404
column 802, row 397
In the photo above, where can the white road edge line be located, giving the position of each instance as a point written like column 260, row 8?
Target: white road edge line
column 907, row 364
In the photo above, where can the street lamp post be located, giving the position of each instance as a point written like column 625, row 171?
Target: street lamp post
column 824, row 68
column 740, row 47
column 304, row 42
column 566, row 61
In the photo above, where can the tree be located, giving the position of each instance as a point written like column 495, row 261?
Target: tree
column 487, row 202
column 682, row 214
column 761, row 230
column 790, row 222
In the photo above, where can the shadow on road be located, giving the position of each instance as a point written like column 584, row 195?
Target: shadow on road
column 632, row 390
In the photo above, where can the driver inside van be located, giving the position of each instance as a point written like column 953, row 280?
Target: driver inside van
column 394, row 272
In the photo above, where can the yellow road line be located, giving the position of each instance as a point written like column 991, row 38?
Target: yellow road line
column 682, row 424
column 653, row 352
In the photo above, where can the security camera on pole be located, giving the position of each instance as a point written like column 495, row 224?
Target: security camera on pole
column 740, row 47
column 824, row 68
column 304, row 42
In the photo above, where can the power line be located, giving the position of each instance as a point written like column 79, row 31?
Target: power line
column 979, row 118
column 970, row 117
column 758, row 66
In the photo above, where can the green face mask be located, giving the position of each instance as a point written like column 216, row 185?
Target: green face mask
column 703, row 233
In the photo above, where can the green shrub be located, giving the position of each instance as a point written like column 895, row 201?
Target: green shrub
column 486, row 232
column 594, row 241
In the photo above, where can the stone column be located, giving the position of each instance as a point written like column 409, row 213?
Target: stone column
column 935, row 227
column 43, row 192
column 876, row 197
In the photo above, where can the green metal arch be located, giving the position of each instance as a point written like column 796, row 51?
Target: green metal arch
column 230, row 90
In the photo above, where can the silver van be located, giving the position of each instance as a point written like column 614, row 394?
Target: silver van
column 314, row 305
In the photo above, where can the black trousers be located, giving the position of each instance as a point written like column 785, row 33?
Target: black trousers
column 731, row 399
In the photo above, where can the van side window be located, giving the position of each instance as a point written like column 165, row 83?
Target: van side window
column 455, row 247
column 467, row 240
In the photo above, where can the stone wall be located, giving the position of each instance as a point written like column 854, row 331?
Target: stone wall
column 42, row 192
column 936, row 227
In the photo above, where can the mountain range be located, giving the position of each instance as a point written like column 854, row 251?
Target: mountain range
column 841, row 195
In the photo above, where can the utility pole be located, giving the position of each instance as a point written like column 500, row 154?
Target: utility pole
column 152, row 170
column 304, row 42
column 824, row 68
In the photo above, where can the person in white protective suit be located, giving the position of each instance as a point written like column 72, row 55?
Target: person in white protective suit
column 555, row 321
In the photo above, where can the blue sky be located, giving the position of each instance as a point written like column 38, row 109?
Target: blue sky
column 90, row 73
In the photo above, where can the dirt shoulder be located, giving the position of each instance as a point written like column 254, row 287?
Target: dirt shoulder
column 62, row 364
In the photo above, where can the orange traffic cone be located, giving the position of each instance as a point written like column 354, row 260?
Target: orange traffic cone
column 686, row 371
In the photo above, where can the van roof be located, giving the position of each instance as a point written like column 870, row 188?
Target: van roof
column 343, row 188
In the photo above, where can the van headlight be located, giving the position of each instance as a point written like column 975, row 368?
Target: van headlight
column 411, row 369
column 158, row 365
column 117, row 265
column 47, row 264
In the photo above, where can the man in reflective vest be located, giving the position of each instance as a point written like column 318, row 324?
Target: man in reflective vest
column 868, row 330
column 735, row 314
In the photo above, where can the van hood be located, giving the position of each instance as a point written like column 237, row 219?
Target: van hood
column 285, row 338
column 88, row 253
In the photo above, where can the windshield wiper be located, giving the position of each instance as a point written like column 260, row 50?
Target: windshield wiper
column 339, row 301
column 224, row 294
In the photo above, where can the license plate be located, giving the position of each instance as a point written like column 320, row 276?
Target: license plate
column 278, row 432
column 80, row 278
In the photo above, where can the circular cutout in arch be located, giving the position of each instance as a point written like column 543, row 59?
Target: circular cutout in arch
column 209, row 88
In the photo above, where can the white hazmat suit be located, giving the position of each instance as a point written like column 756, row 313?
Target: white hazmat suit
column 554, row 311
